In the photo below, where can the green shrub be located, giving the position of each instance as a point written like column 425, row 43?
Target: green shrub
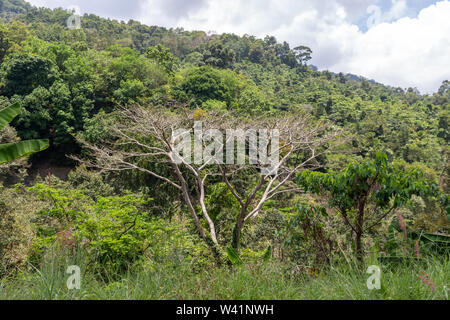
column 114, row 231
column 16, row 231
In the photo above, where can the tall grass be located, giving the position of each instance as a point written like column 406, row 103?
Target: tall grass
column 273, row 281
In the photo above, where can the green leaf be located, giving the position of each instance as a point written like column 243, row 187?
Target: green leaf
column 233, row 256
column 17, row 150
column 437, row 238
column 8, row 114
column 268, row 254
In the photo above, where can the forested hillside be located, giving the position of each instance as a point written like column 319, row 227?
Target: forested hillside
column 108, row 63
column 76, row 85
column 9, row 9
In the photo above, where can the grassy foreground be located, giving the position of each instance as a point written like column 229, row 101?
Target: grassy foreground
column 427, row 280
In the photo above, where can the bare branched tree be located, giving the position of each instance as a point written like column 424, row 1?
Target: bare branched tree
column 139, row 135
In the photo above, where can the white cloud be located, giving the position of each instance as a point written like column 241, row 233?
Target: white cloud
column 377, row 16
column 396, row 50
column 115, row 9
column 406, row 52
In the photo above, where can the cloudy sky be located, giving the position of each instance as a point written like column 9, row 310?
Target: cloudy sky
column 402, row 43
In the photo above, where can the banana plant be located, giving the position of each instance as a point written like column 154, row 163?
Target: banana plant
column 17, row 150
column 235, row 260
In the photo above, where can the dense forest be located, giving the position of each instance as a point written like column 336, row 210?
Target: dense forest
column 365, row 176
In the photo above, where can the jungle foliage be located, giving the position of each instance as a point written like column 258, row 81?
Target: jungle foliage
column 380, row 195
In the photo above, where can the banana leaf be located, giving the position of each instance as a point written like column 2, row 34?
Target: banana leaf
column 233, row 256
column 440, row 239
column 17, row 150
column 8, row 114
column 268, row 254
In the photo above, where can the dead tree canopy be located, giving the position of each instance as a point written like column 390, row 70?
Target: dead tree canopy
column 141, row 135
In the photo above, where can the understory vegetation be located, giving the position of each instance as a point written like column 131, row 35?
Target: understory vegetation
column 363, row 178
column 253, row 282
